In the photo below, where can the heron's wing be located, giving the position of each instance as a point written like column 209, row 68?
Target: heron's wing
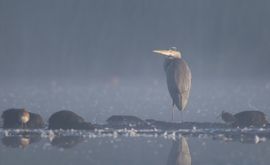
column 178, row 81
column 183, row 78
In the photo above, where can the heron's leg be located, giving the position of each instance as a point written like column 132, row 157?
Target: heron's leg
column 182, row 116
column 172, row 112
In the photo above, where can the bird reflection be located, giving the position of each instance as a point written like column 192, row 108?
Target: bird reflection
column 66, row 142
column 179, row 154
column 21, row 141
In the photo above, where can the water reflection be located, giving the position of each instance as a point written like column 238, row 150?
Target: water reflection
column 65, row 148
column 20, row 141
column 242, row 138
column 66, row 142
column 179, row 154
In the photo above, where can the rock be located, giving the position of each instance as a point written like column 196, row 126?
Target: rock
column 246, row 119
column 35, row 121
column 15, row 118
column 163, row 125
column 124, row 121
column 227, row 117
column 250, row 118
column 20, row 118
column 68, row 120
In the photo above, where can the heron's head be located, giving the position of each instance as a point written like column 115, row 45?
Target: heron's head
column 171, row 53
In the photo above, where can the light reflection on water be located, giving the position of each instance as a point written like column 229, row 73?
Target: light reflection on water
column 146, row 99
column 80, row 148
column 97, row 102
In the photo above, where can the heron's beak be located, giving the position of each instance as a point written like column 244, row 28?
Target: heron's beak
column 172, row 53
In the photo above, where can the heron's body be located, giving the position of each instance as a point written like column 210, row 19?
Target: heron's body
column 178, row 76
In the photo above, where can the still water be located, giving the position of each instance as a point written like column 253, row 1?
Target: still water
column 97, row 148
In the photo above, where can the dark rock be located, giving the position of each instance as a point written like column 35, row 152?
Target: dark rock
column 100, row 126
column 68, row 120
column 14, row 118
column 20, row 118
column 250, row 118
column 247, row 119
column 123, row 121
column 35, row 121
column 227, row 117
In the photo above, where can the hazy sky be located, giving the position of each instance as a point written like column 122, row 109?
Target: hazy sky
column 114, row 38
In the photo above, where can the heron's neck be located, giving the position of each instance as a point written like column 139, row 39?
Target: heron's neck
column 168, row 61
column 174, row 58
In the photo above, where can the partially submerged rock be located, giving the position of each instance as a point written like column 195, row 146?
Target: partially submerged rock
column 14, row 118
column 125, row 121
column 35, row 121
column 68, row 120
column 245, row 119
column 163, row 125
column 20, row 118
column 227, row 117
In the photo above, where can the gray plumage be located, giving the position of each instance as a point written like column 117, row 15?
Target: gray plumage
column 178, row 76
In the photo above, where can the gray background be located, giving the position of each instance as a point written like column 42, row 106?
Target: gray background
column 98, row 38
column 95, row 56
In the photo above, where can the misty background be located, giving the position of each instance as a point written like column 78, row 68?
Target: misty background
column 95, row 57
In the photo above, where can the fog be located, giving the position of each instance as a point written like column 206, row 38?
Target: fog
column 90, row 39
column 99, row 53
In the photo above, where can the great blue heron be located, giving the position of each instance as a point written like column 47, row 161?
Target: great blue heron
column 178, row 77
